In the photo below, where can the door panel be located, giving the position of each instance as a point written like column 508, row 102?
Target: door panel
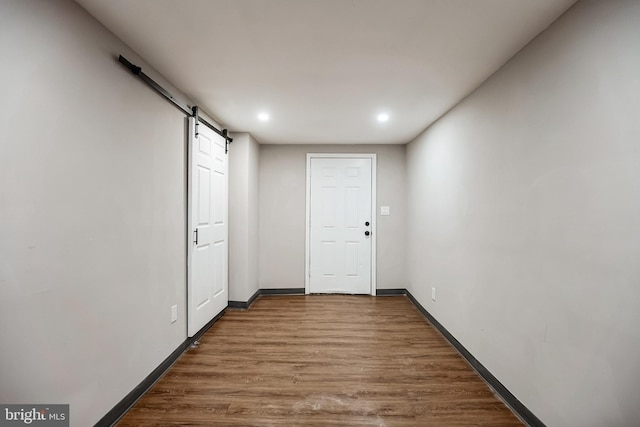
column 219, row 268
column 203, row 200
column 327, row 256
column 351, row 202
column 340, row 254
column 202, row 274
column 208, row 210
column 351, row 259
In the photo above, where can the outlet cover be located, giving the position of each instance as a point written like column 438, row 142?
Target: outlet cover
column 174, row 313
column 385, row 210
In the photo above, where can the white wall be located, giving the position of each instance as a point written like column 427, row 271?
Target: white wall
column 92, row 214
column 282, row 212
column 524, row 213
column 244, row 155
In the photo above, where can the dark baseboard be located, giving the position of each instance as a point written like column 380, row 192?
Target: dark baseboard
column 130, row 399
column 244, row 305
column 398, row 291
column 282, row 291
column 518, row 407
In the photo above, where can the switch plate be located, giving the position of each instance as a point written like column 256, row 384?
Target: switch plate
column 433, row 294
column 385, row 210
column 174, row 313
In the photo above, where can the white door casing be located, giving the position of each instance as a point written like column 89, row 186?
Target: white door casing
column 207, row 266
column 341, row 224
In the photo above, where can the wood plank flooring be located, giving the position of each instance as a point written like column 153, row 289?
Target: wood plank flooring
column 321, row 361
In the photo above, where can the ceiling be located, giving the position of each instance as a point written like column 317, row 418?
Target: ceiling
column 324, row 69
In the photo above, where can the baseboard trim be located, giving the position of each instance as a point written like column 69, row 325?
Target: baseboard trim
column 516, row 406
column 244, row 305
column 241, row 305
column 122, row 407
column 282, row 291
column 384, row 292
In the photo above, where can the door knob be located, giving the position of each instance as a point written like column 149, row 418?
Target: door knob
column 366, row 223
column 366, row 233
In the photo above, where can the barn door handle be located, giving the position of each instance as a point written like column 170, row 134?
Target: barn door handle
column 195, row 236
column 366, row 233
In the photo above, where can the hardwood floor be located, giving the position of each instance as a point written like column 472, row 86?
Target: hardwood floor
column 321, row 361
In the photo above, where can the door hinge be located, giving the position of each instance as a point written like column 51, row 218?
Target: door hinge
column 195, row 236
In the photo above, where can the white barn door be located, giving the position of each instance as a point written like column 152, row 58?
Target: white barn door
column 341, row 225
column 207, row 282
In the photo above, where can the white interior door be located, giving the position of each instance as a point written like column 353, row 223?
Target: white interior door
column 341, row 225
column 208, row 210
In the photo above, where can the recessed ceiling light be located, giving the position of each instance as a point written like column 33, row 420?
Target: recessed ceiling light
column 263, row 117
column 383, row 117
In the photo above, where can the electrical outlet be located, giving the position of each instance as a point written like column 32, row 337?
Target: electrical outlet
column 174, row 313
column 433, row 294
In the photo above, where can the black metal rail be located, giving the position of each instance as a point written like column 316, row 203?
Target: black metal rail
column 189, row 111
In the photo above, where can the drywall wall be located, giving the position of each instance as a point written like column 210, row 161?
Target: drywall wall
column 92, row 214
column 523, row 213
column 282, row 212
column 244, row 154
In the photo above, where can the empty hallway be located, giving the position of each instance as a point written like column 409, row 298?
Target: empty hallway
column 506, row 203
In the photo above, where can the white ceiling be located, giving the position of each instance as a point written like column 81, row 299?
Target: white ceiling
column 323, row 69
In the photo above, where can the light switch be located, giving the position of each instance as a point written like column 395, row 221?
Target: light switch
column 385, row 210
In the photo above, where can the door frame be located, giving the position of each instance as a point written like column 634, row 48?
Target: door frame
column 374, row 213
